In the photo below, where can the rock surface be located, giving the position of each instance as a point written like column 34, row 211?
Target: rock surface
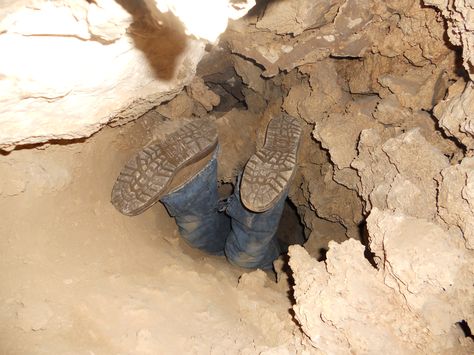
column 459, row 17
column 405, row 306
column 374, row 167
column 206, row 18
column 456, row 198
column 68, row 68
column 455, row 113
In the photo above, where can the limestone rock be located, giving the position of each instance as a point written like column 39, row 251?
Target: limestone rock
column 254, row 101
column 201, row 93
column 205, row 19
column 418, row 164
column 234, row 153
column 456, row 198
column 330, row 201
column 426, row 160
column 389, row 111
column 408, row 251
column 459, row 17
column 251, row 74
column 406, row 306
column 413, row 90
column 68, row 68
column 362, row 316
column 362, row 76
column 264, row 48
column 180, row 106
column 342, row 38
column 456, row 113
column 399, row 174
column 321, row 93
column 321, row 232
column 293, row 17
column 297, row 98
column 339, row 133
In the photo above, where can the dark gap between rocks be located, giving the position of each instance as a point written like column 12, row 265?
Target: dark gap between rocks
column 465, row 328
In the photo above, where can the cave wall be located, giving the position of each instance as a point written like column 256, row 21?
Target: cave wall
column 390, row 105
column 385, row 165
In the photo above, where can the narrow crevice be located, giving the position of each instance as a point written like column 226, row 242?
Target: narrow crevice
column 465, row 328
column 290, row 230
column 364, row 238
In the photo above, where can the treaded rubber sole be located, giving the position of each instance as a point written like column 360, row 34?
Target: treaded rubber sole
column 269, row 171
column 146, row 176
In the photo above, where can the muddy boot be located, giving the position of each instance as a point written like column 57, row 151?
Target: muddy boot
column 148, row 175
column 194, row 205
column 269, row 171
column 252, row 242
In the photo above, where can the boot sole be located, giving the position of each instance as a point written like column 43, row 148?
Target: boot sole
column 146, row 176
column 269, row 171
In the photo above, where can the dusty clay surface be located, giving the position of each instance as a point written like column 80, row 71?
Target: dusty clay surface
column 80, row 278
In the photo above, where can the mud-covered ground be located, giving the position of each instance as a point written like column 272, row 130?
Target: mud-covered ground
column 80, row 278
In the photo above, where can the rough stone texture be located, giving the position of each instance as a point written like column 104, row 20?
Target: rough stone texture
column 362, row 316
column 319, row 93
column 413, row 90
column 180, row 106
column 234, row 153
column 456, row 198
column 455, row 114
column 372, row 148
column 409, row 251
column 405, row 248
column 69, row 67
column 293, row 17
column 339, row 134
column 251, row 75
column 459, row 17
column 323, row 201
column 340, row 37
column 198, row 91
column 406, row 306
column 399, row 173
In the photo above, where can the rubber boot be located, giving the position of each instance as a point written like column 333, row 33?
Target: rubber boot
column 194, row 205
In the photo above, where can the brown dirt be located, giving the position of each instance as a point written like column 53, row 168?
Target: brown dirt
column 80, row 278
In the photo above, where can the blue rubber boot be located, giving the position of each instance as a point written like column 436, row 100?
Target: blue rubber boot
column 252, row 241
column 194, row 206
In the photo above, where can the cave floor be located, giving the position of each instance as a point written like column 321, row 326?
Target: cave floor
column 79, row 278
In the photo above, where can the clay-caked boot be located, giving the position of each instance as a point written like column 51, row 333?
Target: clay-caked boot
column 269, row 171
column 147, row 175
column 181, row 172
column 257, row 208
